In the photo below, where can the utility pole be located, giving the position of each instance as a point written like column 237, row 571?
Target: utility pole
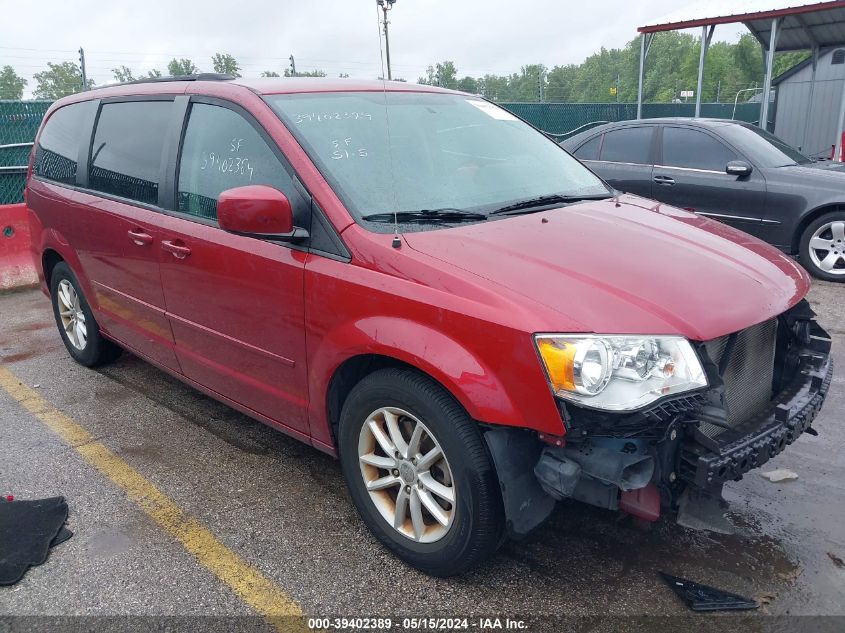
column 540, row 84
column 617, row 87
column 719, row 92
column 292, row 66
column 386, row 5
column 82, row 67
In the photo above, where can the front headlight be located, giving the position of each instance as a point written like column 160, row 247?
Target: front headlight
column 619, row 373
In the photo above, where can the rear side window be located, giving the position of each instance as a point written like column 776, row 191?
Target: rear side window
column 126, row 154
column 221, row 151
column 590, row 149
column 58, row 145
column 627, row 145
column 683, row 147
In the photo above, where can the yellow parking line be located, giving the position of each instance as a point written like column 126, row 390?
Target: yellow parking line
column 253, row 587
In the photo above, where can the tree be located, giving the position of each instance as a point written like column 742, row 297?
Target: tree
column 307, row 73
column 181, row 67
column 442, row 74
column 58, row 81
column 672, row 66
column 122, row 74
column 269, row 73
column 225, row 64
column 468, row 84
column 155, row 73
column 11, row 84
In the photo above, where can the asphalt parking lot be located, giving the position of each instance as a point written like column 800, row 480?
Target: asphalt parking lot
column 280, row 511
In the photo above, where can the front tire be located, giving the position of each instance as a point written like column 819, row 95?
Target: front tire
column 822, row 248
column 77, row 326
column 419, row 472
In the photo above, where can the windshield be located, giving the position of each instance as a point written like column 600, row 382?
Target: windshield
column 769, row 150
column 440, row 153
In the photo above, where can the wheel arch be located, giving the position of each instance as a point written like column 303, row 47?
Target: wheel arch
column 49, row 259
column 352, row 371
column 351, row 352
column 810, row 217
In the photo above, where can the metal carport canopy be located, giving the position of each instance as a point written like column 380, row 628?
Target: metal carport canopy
column 779, row 25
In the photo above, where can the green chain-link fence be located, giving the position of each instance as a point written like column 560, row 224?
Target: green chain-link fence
column 19, row 122
column 565, row 119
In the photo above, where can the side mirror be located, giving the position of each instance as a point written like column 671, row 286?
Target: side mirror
column 738, row 168
column 258, row 211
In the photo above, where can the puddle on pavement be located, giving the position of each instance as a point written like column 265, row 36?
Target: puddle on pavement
column 107, row 543
column 597, row 547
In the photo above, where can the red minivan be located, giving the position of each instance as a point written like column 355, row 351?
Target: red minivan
column 417, row 281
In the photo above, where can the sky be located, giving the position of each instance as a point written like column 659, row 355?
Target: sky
column 337, row 36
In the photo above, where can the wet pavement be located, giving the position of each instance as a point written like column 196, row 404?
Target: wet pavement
column 282, row 507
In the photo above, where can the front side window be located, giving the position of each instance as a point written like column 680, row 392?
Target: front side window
column 684, row 147
column 58, row 146
column 765, row 148
column 419, row 152
column 127, row 149
column 627, row 145
column 221, row 151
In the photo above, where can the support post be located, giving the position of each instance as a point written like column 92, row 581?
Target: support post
column 643, row 53
column 767, row 81
column 840, row 129
column 706, row 34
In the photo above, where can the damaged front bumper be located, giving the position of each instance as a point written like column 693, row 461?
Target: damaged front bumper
column 644, row 462
column 708, row 463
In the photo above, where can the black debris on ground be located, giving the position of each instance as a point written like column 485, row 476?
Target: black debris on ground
column 700, row 597
column 28, row 529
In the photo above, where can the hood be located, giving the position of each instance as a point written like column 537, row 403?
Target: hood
column 825, row 174
column 833, row 166
column 631, row 266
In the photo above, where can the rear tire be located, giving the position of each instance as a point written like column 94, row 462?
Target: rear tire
column 77, row 326
column 822, row 247
column 453, row 536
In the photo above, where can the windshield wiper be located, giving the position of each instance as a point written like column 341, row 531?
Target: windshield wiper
column 532, row 204
column 427, row 215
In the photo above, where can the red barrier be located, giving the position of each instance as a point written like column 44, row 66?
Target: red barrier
column 16, row 266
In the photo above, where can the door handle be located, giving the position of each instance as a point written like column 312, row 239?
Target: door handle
column 664, row 180
column 139, row 237
column 179, row 251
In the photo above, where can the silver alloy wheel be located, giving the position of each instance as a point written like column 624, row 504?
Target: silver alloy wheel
column 827, row 247
column 73, row 318
column 407, row 475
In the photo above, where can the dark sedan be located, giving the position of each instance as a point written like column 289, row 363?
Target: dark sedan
column 731, row 171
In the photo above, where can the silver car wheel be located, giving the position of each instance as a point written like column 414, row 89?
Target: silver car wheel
column 407, row 475
column 827, row 247
column 72, row 316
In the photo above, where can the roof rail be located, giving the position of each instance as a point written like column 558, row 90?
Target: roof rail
column 195, row 77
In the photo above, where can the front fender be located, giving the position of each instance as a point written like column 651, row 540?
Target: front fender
column 472, row 382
